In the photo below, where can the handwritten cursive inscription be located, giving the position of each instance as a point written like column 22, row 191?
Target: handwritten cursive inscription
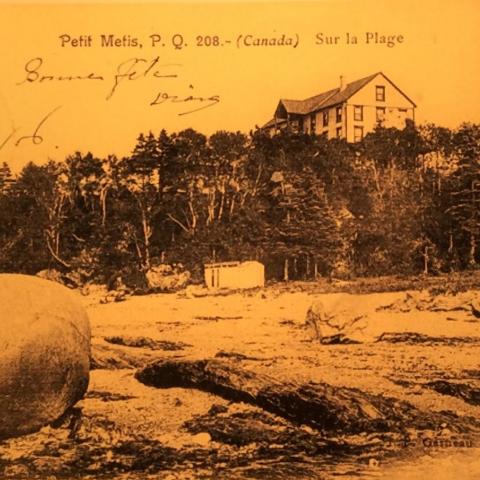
column 205, row 102
column 34, row 137
column 33, row 74
column 130, row 70
column 135, row 68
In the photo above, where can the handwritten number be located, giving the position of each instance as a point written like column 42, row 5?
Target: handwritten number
column 36, row 138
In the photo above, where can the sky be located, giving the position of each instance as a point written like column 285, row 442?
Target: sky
column 203, row 51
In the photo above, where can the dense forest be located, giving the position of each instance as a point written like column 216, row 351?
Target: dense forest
column 399, row 202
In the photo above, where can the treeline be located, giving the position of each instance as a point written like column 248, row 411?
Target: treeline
column 400, row 202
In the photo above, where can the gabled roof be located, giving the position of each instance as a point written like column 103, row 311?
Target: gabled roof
column 292, row 106
column 273, row 122
column 349, row 90
column 330, row 97
column 313, row 103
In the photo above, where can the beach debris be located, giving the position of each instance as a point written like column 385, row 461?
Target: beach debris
column 336, row 323
column 167, row 278
column 319, row 405
column 146, row 342
column 464, row 391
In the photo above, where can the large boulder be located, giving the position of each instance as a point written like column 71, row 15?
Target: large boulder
column 44, row 353
column 339, row 321
column 164, row 278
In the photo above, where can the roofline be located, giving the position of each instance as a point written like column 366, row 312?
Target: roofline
column 326, row 100
column 285, row 107
column 387, row 78
column 403, row 93
column 280, row 102
column 335, row 91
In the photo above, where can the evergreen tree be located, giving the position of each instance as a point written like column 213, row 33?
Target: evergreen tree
column 301, row 224
column 465, row 190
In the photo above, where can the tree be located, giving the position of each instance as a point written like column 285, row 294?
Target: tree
column 39, row 205
column 139, row 178
column 6, row 178
column 465, row 189
column 301, row 223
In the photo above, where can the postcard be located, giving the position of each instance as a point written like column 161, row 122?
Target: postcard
column 240, row 240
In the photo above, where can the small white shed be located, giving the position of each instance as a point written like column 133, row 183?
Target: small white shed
column 234, row 274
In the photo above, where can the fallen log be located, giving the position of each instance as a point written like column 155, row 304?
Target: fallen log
column 464, row 391
column 146, row 342
column 319, row 405
column 414, row 338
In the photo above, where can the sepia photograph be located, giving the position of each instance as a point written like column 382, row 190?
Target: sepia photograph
column 240, row 240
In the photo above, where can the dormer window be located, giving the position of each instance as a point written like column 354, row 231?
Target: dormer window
column 380, row 93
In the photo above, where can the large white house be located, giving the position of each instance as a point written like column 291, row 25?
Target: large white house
column 349, row 111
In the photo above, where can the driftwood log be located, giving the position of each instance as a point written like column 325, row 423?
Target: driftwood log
column 318, row 405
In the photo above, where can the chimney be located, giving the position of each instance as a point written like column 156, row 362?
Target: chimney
column 342, row 83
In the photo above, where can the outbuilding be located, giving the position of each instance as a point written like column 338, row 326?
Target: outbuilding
column 249, row 274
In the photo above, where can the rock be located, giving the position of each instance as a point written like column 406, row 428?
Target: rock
column 50, row 274
column 69, row 279
column 409, row 301
column 202, row 438
column 425, row 301
column 475, row 308
column 165, row 279
column 44, row 353
column 194, row 291
column 335, row 321
column 114, row 296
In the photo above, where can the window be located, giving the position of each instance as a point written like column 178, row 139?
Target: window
column 380, row 114
column 380, row 93
column 300, row 124
column 325, row 118
column 339, row 114
column 313, row 123
column 339, row 132
column 357, row 134
column 358, row 113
